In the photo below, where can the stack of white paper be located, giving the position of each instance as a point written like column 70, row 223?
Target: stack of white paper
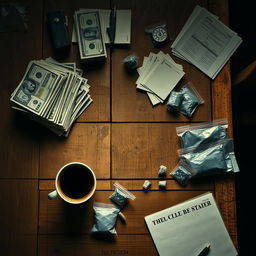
column 123, row 26
column 205, row 42
column 158, row 76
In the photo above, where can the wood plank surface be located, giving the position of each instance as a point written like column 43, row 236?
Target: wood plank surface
column 222, row 108
column 18, row 136
column 137, row 184
column 84, row 245
column 50, row 185
column 202, row 184
column 58, row 217
column 128, row 104
column 18, row 232
column 97, row 73
column 138, row 149
column 19, row 150
column 89, row 143
column 120, row 136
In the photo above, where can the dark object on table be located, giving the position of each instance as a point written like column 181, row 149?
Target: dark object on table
column 174, row 101
column 159, row 37
column 121, row 195
column 158, row 34
column 205, row 250
column 57, row 27
column 112, row 26
column 13, row 17
column 131, row 62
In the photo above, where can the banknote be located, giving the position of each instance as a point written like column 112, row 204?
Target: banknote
column 89, row 34
column 53, row 94
column 36, row 88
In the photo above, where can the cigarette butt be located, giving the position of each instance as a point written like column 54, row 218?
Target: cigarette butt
column 122, row 217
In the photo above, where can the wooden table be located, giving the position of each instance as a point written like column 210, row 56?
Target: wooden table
column 121, row 136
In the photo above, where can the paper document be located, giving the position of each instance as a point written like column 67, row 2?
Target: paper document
column 162, row 79
column 185, row 229
column 158, row 75
column 205, row 42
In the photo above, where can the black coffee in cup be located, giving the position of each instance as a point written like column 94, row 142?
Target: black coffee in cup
column 76, row 182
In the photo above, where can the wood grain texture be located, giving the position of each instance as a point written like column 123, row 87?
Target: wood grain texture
column 84, row 245
column 128, row 104
column 18, row 233
column 19, row 139
column 202, row 184
column 133, row 184
column 57, row 217
column 89, row 143
column 221, row 105
column 103, row 138
column 97, row 73
column 50, row 185
column 138, row 149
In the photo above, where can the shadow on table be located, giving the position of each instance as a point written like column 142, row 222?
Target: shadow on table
column 75, row 217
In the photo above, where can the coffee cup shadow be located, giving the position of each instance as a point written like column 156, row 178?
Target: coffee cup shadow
column 75, row 217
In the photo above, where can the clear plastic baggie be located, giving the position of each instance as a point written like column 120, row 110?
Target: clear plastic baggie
column 202, row 133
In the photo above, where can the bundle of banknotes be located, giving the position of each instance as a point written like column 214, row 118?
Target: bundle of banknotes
column 89, row 35
column 53, row 94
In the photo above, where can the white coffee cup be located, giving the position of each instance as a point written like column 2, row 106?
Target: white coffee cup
column 75, row 183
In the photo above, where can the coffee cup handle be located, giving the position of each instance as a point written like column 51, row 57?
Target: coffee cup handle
column 53, row 194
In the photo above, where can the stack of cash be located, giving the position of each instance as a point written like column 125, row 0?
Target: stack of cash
column 53, row 94
column 89, row 35
column 123, row 25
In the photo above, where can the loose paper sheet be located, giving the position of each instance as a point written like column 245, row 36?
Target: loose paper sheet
column 205, row 42
column 186, row 228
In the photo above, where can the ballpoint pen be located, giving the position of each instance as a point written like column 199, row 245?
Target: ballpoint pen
column 112, row 26
column 205, row 250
